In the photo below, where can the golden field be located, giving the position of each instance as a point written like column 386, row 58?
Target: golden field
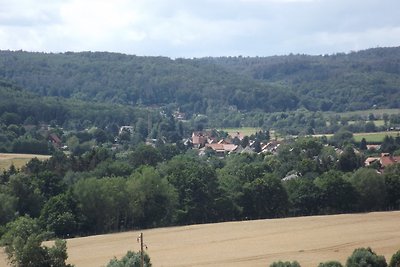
column 19, row 160
column 309, row 240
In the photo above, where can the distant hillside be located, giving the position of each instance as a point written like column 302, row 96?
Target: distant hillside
column 18, row 106
column 341, row 82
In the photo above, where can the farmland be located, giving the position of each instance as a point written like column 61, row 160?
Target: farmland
column 243, row 130
column 374, row 137
column 19, row 160
column 376, row 112
column 309, row 240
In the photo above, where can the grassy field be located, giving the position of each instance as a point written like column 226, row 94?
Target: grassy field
column 376, row 112
column 19, row 160
column 374, row 137
column 370, row 137
column 376, row 122
column 309, row 240
column 243, row 130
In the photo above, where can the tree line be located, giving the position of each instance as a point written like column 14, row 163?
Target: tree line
column 361, row 257
column 102, row 191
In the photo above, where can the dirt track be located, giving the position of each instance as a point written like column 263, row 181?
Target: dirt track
column 309, row 240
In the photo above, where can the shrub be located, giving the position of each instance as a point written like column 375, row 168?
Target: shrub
column 330, row 264
column 395, row 261
column 365, row 257
column 285, row 264
column 23, row 245
column 131, row 259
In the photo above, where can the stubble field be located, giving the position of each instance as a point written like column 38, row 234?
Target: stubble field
column 19, row 160
column 309, row 240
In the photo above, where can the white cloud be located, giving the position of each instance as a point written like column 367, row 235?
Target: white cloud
column 358, row 40
column 199, row 28
column 277, row 1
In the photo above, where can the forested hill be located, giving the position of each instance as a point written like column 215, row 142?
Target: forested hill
column 337, row 82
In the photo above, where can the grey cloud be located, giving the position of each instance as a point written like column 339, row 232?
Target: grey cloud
column 180, row 28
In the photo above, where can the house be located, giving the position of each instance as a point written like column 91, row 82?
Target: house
column 373, row 147
column 270, row 147
column 224, row 141
column 247, row 150
column 387, row 159
column 371, row 160
column 237, row 135
column 384, row 160
column 126, row 128
column 55, row 140
column 199, row 139
column 222, row 149
column 292, row 176
column 180, row 116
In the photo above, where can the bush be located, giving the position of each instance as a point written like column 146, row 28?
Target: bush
column 131, row 259
column 23, row 245
column 330, row 264
column 365, row 257
column 285, row 264
column 395, row 261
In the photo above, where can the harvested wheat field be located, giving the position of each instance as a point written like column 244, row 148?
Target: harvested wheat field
column 19, row 160
column 309, row 240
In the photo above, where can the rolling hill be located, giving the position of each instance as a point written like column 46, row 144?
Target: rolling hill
column 309, row 240
column 339, row 82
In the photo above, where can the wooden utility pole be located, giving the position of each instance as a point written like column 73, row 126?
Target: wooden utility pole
column 141, row 251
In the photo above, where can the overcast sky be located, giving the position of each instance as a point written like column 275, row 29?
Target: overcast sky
column 198, row 28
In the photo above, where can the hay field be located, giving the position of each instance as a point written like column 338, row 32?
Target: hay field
column 243, row 130
column 309, row 240
column 19, row 160
column 377, row 137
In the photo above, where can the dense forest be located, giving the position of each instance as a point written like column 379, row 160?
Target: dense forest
column 339, row 82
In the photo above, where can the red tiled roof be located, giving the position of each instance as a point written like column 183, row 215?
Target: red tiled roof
column 387, row 160
column 54, row 138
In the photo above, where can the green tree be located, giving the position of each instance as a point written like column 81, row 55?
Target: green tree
column 370, row 127
column 327, row 158
column 395, row 260
column 365, row 257
column 385, row 118
column 153, row 199
column 50, row 184
column 363, row 144
column 285, row 264
column 304, row 196
column 59, row 215
column 265, row 197
column 145, row 155
column 257, row 146
column 245, row 141
column 28, row 193
column 337, row 194
column 349, row 160
column 392, row 181
column 330, row 264
column 229, row 205
column 103, row 203
column 197, row 187
column 131, row 259
column 371, row 189
column 342, row 138
column 23, row 246
column 100, row 136
column 7, row 207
